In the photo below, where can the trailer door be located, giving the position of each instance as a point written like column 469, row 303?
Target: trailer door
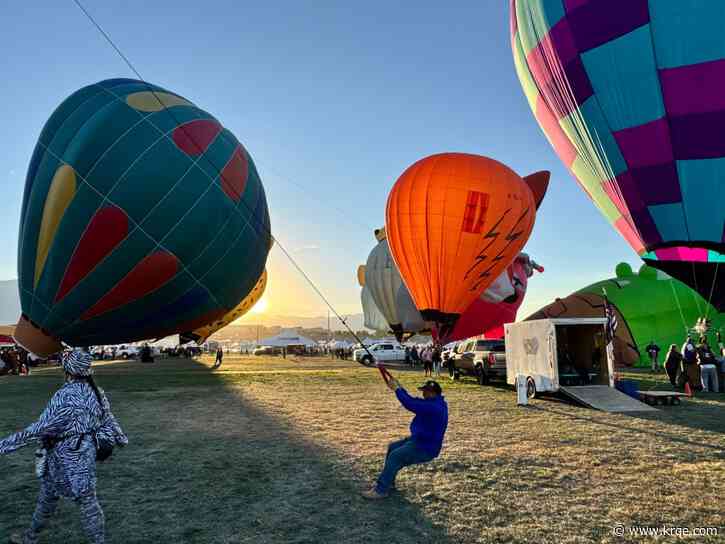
column 531, row 351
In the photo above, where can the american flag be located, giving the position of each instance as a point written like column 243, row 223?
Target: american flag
column 611, row 316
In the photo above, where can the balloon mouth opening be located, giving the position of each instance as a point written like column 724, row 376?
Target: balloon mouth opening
column 35, row 339
column 397, row 330
column 444, row 322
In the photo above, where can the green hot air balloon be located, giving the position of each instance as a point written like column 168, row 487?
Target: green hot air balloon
column 142, row 216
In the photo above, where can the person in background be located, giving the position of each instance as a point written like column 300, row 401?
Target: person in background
column 407, row 355
column 219, row 357
column 75, row 423
column 673, row 364
column 414, row 358
column 437, row 359
column 426, row 434
column 689, row 363
column 653, row 350
column 427, row 357
column 708, row 369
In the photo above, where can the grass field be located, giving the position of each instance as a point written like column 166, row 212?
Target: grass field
column 267, row 450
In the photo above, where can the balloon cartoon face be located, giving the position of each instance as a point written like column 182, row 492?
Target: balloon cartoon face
column 142, row 216
column 630, row 97
column 499, row 304
column 454, row 222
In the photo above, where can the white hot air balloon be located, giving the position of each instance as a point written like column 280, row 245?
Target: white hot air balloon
column 388, row 290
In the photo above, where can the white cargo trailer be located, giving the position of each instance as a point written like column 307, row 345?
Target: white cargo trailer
column 567, row 356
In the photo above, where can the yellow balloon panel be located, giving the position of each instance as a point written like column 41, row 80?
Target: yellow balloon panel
column 239, row 310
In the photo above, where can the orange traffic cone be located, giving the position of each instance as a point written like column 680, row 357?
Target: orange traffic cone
column 688, row 390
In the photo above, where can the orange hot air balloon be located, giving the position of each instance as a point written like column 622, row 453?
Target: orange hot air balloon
column 454, row 222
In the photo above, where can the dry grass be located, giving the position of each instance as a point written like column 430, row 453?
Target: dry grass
column 272, row 450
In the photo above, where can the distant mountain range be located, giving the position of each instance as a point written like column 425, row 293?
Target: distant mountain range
column 354, row 321
column 9, row 302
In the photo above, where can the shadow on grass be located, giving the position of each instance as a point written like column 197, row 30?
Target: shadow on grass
column 208, row 465
column 648, row 416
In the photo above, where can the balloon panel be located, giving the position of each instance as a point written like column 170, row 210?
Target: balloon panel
column 201, row 334
column 141, row 214
column 374, row 319
column 383, row 280
column 629, row 97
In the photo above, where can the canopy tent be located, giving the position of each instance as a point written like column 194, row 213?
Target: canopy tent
column 418, row 339
column 286, row 338
column 172, row 341
column 340, row 344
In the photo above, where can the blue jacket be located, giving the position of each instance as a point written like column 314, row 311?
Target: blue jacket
column 429, row 424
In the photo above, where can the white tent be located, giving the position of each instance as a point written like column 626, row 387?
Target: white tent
column 172, row 341
column 286, row 338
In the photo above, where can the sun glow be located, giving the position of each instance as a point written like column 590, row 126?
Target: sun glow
column 260, row 307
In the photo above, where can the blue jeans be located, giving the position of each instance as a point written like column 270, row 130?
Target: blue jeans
column 400, row 454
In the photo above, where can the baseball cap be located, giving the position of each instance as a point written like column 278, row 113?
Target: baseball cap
column 431, row 385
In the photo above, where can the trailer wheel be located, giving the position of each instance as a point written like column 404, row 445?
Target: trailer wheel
column 530, row 388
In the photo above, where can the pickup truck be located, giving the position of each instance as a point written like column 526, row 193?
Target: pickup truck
column 127, row 352
column 483, row 358
column 384, row 352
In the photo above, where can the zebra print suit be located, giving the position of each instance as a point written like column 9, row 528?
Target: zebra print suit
column 71, row 466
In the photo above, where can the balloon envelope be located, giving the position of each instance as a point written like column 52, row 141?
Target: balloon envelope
column 388, row 291
column 373, row 317
column 630, row 96
column 201, row 334
column 142, row 217
column 454, row 222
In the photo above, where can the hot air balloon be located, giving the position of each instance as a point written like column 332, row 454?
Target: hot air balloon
column 388, row 290
column 499, row 304
column 630, row 96
column 201, row 334
column 372, row 316
column 142, row 217
column 454, row 222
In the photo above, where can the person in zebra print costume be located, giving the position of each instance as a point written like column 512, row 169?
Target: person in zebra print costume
column 78, row 418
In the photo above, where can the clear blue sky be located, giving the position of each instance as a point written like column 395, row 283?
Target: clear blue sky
column 332, row 99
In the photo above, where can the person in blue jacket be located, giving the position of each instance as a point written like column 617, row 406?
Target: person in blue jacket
column 426, row 434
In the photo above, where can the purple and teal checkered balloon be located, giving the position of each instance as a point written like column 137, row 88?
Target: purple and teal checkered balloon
column 631, row 95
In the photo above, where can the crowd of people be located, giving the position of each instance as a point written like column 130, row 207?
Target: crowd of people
column 696, row 364
column 15, row 361
column 429, row 356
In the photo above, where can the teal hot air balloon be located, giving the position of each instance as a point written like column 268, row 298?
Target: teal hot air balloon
column 142, row 216
column 630, row 95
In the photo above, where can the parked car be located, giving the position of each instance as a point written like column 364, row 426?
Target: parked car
column 483, row 358
column 384, row 352
column 128, row 352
